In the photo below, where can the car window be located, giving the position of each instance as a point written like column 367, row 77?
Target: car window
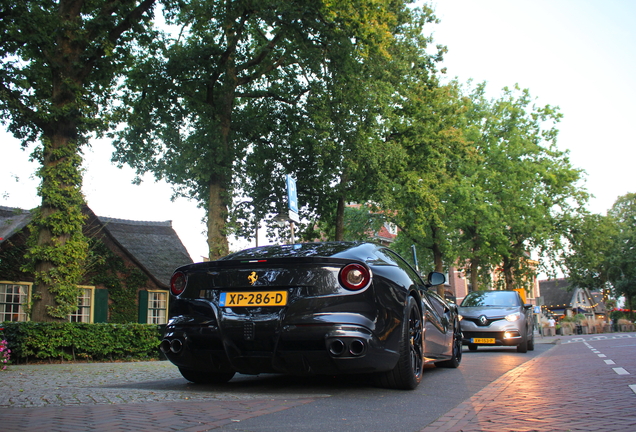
column 394, row 258
column 491, row 298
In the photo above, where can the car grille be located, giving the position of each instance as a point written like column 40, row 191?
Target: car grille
column 482, row 323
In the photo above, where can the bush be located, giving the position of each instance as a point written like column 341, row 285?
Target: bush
column 37, row 341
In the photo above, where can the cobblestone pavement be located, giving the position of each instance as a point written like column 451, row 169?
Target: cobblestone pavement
column 584, row 383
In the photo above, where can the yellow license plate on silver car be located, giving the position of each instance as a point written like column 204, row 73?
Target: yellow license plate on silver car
column 257, row 298
column 483, row 340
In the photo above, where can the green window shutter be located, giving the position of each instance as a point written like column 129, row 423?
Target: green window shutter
column 143, row 306
column 100, row 309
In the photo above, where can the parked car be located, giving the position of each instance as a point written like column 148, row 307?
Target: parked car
column 311, row 308
column 496, row 318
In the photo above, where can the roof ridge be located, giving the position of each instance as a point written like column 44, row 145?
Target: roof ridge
column 105, row 219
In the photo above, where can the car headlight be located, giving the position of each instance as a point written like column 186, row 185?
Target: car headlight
column 513, row 317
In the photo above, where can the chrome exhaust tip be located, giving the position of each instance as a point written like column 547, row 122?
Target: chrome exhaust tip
column 357, row 347
column 336, row 347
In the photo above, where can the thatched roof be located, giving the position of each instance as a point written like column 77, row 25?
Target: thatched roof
column 555, row 293
column 154, row 246
column 12, row 220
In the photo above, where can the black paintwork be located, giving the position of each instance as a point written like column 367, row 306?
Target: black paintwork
column 324, row 328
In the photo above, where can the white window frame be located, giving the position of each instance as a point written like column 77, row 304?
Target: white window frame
column 21, row 312
column 157, row 314
column 84, row 313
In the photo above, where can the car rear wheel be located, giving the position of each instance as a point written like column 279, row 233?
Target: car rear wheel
column 407, row 373
column 454, row 361
column 200, row 377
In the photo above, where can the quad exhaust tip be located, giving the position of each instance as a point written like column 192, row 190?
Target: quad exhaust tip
column 174, row 346
column 353, row 347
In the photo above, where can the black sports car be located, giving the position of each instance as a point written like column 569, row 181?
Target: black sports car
column 310, row 308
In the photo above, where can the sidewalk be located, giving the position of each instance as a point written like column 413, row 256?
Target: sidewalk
column 591, row 387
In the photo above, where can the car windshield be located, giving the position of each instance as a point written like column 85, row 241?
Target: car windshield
column 491, row 298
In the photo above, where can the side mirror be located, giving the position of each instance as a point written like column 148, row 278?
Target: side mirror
column 436, row 278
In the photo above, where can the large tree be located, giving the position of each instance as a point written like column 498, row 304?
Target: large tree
column 527, row 189
column 60, row 60
column 192, row 110
column 588, row 258
column 340, row 145
column 623, row 256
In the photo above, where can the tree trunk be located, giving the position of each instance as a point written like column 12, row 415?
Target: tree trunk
column 217, row 213
column 474, row 275
column 508, row 267
column 58, row 224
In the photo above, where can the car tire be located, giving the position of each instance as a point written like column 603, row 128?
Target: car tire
column 407, row 373
column 456, row 358
column 200, row 377
column 523, row 346
column 472, row 347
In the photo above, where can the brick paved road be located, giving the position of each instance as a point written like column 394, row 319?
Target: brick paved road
column 583, row 384
column 572, row 387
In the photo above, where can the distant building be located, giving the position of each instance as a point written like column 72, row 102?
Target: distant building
column 149, row 251
column 561, row 298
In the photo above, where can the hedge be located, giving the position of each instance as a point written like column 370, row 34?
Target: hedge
column 68, row 341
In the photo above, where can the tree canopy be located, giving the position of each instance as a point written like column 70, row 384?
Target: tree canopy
column 224, row 99
column 60, row 61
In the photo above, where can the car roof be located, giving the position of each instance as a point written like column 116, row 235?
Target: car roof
column 352, row 250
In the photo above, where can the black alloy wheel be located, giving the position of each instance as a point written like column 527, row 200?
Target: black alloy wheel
column 407, row 373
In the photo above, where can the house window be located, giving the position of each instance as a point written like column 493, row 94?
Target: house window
column 13, row 299
column 84, row 312
column 157, row 307
column 391, row 228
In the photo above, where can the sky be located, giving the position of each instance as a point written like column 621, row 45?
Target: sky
column 579, row 55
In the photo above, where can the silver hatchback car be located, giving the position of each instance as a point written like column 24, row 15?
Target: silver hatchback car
column 496, row 318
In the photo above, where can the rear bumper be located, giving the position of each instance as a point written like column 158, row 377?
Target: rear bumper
column 254, row 347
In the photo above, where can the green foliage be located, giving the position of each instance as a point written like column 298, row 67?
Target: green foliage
column 602, row 253
column 525, row 192
column 11, row 261
column 587, row 259
column 623, row 252
column 123, row 283
column 56, row 233
column 66, row 341
column 60, row 61
column 252, row 91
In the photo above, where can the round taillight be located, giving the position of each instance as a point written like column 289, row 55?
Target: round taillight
column 354, row 276
column 178, row 283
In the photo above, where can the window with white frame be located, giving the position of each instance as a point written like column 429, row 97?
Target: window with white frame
column 13, row 301
column 84, row 306
column 157, row 307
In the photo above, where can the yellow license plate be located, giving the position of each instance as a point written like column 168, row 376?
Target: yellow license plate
column 483, row 340
column 258, row 298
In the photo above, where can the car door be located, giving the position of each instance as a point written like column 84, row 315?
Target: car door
column 433, row 312
column 437, row 317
